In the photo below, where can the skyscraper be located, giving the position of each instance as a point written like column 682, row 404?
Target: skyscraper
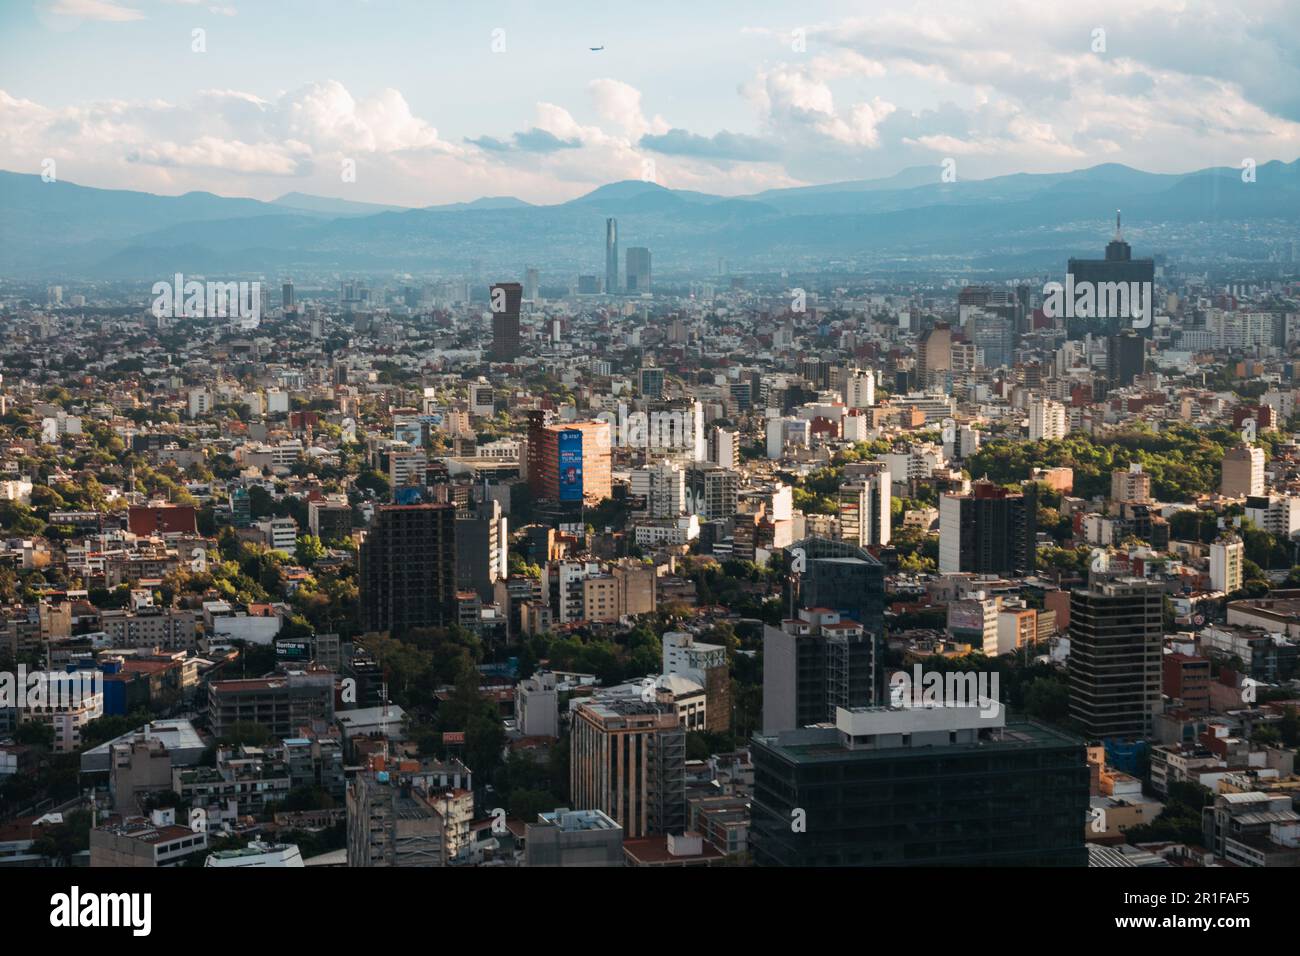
column 637, row 277
column 505, row 302
column 1119, row 267
column 1116, row 630
column 407, row 568
column 611, row 256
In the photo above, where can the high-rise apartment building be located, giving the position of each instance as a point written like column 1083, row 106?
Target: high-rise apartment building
column 1116, row 633
column 860, row 388
column 712, row 492
column 1132, row 485
column 1226, row 557
column 864, row 510
column 1243, row 471
column 1046, row 420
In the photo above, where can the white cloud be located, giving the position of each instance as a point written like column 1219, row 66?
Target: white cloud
column 103, row 10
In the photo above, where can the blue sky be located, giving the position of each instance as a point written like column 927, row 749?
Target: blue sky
column 720, row 97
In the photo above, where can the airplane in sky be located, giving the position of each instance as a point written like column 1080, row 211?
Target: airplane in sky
column 596, row 49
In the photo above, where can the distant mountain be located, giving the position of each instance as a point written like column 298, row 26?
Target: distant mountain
column 65, row 230
column 487, row 202
column 304, row 202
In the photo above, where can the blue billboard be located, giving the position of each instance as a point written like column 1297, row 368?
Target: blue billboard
column 570, row 445
column 408, row 495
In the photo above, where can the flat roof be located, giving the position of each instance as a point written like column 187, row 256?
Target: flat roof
column 1018, row 734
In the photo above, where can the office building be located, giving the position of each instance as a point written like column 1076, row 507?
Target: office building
column 282, row 704
column 628, row 760
column 934, row 353
column 482, row 541
column 652, row 383
column 1116, row 630
column 1126, row 358
column 939, row 786
column 844, row 577
column 407, row 568
column 1110, row 281
column 569, row 463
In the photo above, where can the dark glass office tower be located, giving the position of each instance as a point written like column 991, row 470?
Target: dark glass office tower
column 1118, row 266
column 945, row 786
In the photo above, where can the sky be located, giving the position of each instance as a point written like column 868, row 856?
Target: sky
column 420, row 102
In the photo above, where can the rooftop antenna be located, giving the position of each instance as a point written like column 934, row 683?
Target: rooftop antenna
column 1118, row 234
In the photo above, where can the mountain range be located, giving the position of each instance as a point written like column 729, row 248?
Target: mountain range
column 63, row 230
